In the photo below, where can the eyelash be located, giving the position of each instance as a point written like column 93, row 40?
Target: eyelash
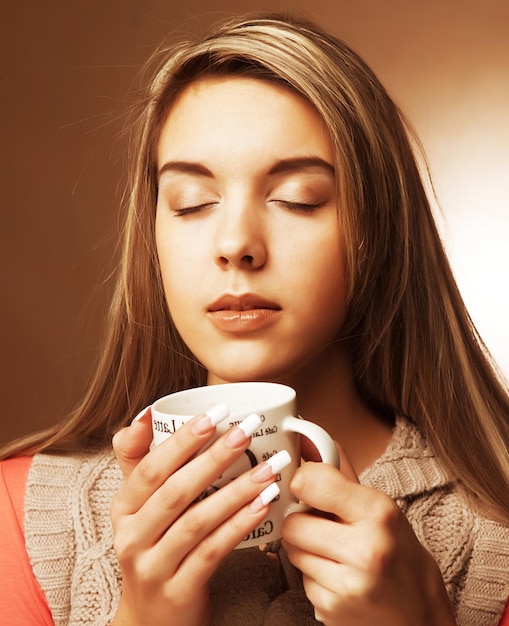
column 291, row 206
column 189, row 210
column 299, row 206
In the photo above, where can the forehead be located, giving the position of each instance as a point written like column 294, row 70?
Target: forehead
column 234, row 113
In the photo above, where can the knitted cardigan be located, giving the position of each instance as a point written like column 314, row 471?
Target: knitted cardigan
column 69, row 542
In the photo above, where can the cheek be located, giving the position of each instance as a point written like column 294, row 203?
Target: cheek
column 323, row 287
column 320, row 265
column 172, row 265
column 178, row 279
column 183, row 275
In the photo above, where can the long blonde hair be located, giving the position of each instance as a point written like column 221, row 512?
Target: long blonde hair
column 415, row 349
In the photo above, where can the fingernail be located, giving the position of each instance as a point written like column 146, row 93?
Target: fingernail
column 218, row 413
column 241, row 433
column 271, row 467
column 140, row 415
column 212, row 418
column 266, row 496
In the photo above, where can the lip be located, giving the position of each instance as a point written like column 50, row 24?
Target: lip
column 243, row 313
column 244, row 302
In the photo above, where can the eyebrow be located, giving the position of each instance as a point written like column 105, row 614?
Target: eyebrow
column 185, row 167
column 301, row 163
column 281, row 167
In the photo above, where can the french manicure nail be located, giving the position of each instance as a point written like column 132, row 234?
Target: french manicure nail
column 272, row 466
column 140, row 415
column 211, row 419
column 218, row 413
column 250, row 423
column 238, row 435
column 266, row 496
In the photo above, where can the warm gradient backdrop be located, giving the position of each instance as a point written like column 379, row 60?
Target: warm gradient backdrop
column 67, row 68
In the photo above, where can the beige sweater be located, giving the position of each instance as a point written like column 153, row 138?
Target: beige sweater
column 69, row 541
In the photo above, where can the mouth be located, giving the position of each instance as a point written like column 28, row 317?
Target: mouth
column 246, row 302
column 247, row 313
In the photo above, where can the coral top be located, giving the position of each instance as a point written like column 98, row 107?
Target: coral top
column 21, row 598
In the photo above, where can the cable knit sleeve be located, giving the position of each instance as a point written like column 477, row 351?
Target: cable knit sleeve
column 471, row 552
column 69, row 536
column 486, row 575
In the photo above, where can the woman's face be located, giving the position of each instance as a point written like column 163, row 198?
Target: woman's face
column 247, row 231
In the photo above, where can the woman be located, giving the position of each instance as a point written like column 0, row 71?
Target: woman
column 277, row 229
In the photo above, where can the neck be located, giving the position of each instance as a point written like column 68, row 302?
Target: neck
column 327, row 395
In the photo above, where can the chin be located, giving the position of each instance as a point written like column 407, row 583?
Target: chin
column 244, row 376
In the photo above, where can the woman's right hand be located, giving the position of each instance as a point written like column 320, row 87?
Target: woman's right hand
column 168, row 545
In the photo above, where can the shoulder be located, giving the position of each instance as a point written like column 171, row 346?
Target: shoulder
column 485, row 576
column 471, row 551
column 408, row 467
column 13, row 478
column 68, row 530
column 66, row 487
column 68, row 491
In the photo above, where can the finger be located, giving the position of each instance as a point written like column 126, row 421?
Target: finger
column 370, row 543
column 343, row 606
column 339, row 542
column 203, row 561
column 131, row 444
column 187, row 483
column 309, row 452
column 221, row 508
column 332, row 588
column 346, row 466
column 165, row 459
column 197, row 547
column 335, row 577
column 318, row 536
column 323, row 487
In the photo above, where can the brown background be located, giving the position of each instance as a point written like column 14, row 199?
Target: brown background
column 67, row 71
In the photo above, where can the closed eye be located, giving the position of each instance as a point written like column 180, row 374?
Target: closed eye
column 189, row 210
column 299, row 206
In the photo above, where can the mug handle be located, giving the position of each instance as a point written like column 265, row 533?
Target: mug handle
column 323, row 442
column 317, row 435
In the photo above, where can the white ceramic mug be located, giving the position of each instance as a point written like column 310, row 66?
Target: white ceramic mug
column 280, row 429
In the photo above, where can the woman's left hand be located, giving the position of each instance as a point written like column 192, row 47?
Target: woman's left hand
column 362, row 564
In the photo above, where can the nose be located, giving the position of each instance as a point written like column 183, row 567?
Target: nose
column 240, row 238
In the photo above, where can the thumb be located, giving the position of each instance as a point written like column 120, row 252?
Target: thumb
column 346, row 466
column 132, row 443
column 310, row 453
